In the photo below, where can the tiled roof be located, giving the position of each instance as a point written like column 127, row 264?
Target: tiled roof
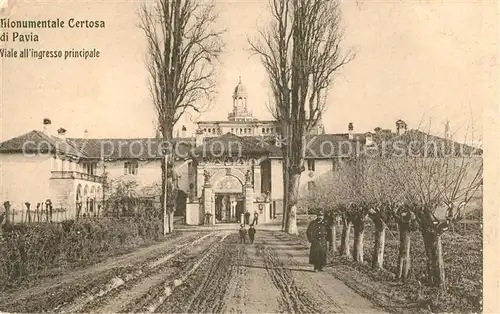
column 138, row 148
column 231, row 144
column 324, row 146
column 417, row 142
column 331, row 145
column 39, row 142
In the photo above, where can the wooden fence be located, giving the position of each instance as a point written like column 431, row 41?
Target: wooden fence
column 40, row 212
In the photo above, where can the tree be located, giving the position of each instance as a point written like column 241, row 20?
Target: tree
column 385, row 195
column 182, row 45
column 346, row 229
column 124, row 197
column 439, row 177
column 389, row 206
column 300, row 51
column 323, row 197
column 403, row 217
column 356, row 184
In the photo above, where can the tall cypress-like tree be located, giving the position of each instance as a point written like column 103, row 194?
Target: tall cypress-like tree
column 182, row 45
column 301, row 52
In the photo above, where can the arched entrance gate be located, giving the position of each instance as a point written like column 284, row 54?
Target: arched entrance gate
column 229, row 199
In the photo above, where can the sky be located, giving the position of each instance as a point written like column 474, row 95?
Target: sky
column 419, row 61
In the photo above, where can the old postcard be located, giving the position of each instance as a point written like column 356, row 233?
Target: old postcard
column 237, row 156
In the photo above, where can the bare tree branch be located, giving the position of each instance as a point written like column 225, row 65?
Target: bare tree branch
column 300, row 50
column 183, row 46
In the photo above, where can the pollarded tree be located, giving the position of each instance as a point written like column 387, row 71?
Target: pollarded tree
column 345, row 206
column 387, row 196
column 182, row 45
column 345, row 211
column 301, row 53
column 324, row 197
column 389, row 191
column 404, row 217
column 384, row 194
column 356, row 185
column 439, row 178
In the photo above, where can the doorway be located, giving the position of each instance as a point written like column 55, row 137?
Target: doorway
column 228, row 207
column 240, row 209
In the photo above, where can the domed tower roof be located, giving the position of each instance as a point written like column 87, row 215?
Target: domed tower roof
column 240, row 91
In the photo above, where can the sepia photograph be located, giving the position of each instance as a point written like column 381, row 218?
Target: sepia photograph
column 249, row 156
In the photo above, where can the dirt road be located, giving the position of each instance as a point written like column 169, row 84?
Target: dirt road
column 200, row 272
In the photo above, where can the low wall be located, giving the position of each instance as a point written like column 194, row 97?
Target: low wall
column 194, row 214
column 264, row 210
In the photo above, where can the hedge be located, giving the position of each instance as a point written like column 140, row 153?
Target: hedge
column 29, row 249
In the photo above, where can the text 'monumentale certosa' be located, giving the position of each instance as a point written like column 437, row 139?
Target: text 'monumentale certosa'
column 24, row 31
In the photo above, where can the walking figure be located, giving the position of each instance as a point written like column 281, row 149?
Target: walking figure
column 255, row 218
column 207, row 218
column 251, row 233
column 317, row 235
column 243, row 234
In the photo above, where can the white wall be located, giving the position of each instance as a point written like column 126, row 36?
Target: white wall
column 63, row 194
column 24, row 179
column 276, row 179
column 194, row 214
column 321, row 166
column 148, row 173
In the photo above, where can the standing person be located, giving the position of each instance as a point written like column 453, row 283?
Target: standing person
column 207, row 219
column 251, row 233
column 243, row 234
column 247, row 218
column 317, row 235
column 255, row 218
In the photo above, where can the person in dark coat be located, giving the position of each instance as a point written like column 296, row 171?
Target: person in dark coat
column 247, row 218
column 255, row 218
column 251, row 233
column 243, row 234
column 317, row 235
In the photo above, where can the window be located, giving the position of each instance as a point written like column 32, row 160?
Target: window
column 310, row 164
column 131, row 167
column 232, row 130
column 90, row 168
column 263, row 130
column 311, row 185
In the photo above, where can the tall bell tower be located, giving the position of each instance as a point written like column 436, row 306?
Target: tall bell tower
column 240, row 109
